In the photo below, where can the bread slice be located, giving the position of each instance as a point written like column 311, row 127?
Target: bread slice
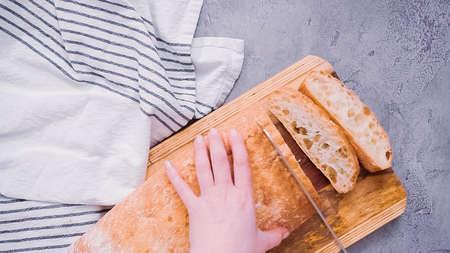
column 320, row 138
column 359, row 123
column 154, row 219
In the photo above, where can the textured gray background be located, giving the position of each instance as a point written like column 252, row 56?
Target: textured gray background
column 395, row 55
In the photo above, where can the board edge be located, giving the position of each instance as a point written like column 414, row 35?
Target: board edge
column 367, row 227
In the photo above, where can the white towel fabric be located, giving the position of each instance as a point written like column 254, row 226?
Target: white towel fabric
column 86, row 90
column 86, row 87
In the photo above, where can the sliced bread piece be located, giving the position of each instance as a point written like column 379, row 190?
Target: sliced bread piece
column 359, row 123
column 320, row 138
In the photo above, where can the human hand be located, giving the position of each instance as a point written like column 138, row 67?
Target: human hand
column 222, row 218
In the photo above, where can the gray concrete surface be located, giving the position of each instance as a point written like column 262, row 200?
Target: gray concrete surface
column 395, row 54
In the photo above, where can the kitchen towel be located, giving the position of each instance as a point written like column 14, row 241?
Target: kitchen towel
column 88, row 86
column 32, row 226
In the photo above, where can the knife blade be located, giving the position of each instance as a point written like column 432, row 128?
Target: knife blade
column 308, row 196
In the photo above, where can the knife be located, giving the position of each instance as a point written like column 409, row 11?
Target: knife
column 308, row 196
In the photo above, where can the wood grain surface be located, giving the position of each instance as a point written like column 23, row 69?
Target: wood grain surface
column 376, row 199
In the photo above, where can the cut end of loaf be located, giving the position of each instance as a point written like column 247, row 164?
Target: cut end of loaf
column 359, row 123
column 318, row 137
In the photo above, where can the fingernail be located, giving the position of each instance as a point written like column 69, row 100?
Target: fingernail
column 285, row 234
column 198, row 139
column 213, row 131
column 233, row 132
column 167, row 164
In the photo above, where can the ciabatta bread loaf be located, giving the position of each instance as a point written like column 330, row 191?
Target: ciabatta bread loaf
column 320, row 138
column 153, row 219
column 359, row 123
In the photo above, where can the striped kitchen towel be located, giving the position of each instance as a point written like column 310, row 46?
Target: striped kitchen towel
column 86, row 88
column 45, row 227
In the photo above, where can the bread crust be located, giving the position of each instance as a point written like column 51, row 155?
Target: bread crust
column 320, row 138
column 154, row 219
column 359, row 123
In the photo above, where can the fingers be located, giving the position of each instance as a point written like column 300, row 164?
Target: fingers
column 181, row 187
column 242, row 174
column 272, row 238
column 225, row 141
column 219, row 158
column 202, row 165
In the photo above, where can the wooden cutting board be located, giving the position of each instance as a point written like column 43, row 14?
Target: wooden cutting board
column 376, row 199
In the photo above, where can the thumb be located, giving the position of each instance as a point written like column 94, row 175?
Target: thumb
column 272, row 238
